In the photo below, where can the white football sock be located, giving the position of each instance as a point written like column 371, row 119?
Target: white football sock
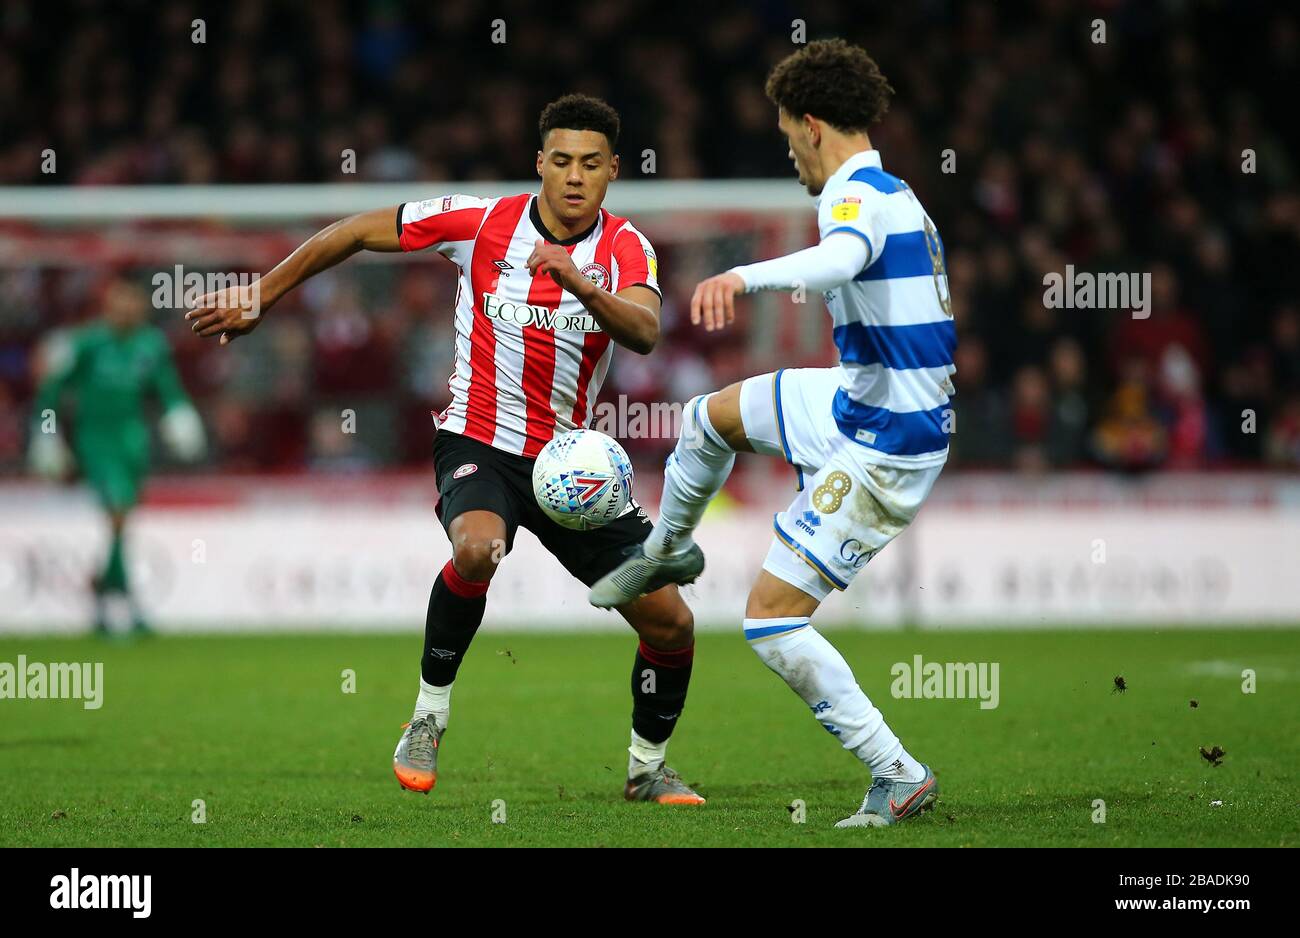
column 818, row 673
column 694, row 473
column 434, row 700
column 644, row 756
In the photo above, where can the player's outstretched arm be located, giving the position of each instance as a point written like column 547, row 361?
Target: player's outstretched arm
column 833, row 262
column 235, row 311
column 48, row 455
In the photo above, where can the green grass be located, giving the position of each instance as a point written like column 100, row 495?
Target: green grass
column 258, row 727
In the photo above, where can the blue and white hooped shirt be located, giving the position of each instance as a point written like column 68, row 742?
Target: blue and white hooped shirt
column 893, row 322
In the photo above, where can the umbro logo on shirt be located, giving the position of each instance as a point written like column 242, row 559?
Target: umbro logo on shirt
column 504, row 265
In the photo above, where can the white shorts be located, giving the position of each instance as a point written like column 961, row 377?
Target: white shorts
column 847, row 508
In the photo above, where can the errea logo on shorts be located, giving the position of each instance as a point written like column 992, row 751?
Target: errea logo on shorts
column 525, row 314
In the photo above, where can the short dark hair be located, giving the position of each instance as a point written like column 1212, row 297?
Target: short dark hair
column 580, row 112
column 832, row 81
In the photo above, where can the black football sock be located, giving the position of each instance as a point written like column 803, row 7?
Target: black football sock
column 659, row 682
column 455, row 611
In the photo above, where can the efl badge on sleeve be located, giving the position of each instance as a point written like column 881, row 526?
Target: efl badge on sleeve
column 846, row 209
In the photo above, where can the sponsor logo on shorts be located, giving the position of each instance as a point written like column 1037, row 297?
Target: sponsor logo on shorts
column 465, row 470
column 809, row 521
column 855, row 553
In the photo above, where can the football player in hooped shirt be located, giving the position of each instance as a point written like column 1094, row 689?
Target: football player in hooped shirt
column 867, row 438
column 548, row 283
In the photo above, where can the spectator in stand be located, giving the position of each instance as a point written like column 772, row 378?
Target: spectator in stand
column 1158, row 152
column 1071, row 409
column 1129, row 437
column 982, row 435
column 1283, row 445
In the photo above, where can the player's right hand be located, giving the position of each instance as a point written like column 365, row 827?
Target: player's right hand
column 714, row 301
column 48, row 457
column 227, row 313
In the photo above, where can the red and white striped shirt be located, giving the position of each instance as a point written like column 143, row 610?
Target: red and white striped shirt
column 530, row 358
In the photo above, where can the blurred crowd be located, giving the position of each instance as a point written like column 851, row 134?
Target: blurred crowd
column 1164, row 150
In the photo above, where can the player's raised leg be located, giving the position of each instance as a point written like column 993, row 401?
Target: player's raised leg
column 661, row 675
column 712, row 433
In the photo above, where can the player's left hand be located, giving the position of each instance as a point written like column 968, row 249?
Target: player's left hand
column 554, row 260
column 714, row 301
column 227, row 313
column 182, row 429
column 49, row 457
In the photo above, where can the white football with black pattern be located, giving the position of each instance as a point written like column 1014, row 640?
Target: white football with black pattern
column 583, row 479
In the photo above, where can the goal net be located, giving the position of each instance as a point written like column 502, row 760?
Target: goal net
column 375, row 334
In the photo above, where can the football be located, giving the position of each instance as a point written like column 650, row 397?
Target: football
column 582, row 479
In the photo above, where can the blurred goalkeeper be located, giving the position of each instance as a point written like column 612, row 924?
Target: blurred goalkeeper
column 96, row 382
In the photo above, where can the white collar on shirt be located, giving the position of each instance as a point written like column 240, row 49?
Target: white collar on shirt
column 859, row 160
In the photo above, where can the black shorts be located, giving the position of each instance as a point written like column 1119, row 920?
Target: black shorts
column 473, row 476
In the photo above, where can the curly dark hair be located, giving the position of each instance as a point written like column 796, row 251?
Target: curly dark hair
column 580, row 112
column 833, row 81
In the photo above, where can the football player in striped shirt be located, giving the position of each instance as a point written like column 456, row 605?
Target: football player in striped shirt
column 549, row 282
column 867, row 438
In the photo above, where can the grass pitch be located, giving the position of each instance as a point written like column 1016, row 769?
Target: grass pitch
column 260, row 729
